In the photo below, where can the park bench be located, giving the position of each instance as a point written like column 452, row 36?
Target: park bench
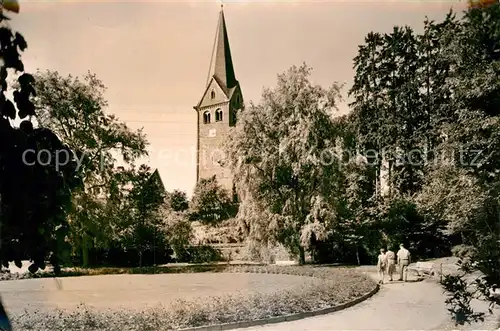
column 422, row 268
column 495, row 293
column 285, row 262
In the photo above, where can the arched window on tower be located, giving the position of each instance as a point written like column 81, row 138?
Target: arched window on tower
column 218, row 115
column 212, row 95
column 206, row 117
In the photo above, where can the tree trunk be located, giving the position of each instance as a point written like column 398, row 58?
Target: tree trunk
column 302, row 256
column 140, row 258
column 357, row 255
column 389, row 179
column 154, row 251
column 85, row 251
column 1, row 220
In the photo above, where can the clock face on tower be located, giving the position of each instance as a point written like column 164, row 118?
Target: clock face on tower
column 212, row 133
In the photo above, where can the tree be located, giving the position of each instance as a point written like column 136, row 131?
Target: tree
column 281, row 155
column 478, row 4
column 178, row 201
column 454, row 197
column 142, row 228
column 435, row 96
column 466, row 212
column 355, row 226
column 74, row 109
column 473, row 49
column 211, row 203
column 34, row 191
column 387, row 107
column 447, row 111
column 179, row 232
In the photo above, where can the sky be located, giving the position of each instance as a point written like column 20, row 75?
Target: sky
column 154, row 56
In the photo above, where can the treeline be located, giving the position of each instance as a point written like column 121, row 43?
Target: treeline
column 121, row 214
column 416, row 161
column 79, row 198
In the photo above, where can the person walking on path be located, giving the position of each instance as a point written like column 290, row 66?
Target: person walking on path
column 391, row 263
column 381, row 265
column 403, row 262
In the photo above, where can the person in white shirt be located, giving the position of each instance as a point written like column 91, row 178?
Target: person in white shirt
column 403, row 262
column 381, row 265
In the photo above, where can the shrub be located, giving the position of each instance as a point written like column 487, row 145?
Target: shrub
column 200, row 254
column 179, row 232
column 464, row 251
column 250, row 252
column 261, row 252
column 226, row 232
column 121, row 257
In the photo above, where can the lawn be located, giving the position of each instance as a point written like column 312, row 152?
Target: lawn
column 173, row 301
column 138, row 291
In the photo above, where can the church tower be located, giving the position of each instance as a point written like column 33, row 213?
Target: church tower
column 217, row 110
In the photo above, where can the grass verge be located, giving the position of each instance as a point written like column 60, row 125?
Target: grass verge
column 337, row 286
column 77, row 272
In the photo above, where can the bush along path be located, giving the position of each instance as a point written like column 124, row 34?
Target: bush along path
column 337, row 286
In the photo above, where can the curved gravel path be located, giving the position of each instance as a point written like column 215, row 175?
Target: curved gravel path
column 397, row 306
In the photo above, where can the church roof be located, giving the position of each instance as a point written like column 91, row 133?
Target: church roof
column 221, row 64
column 155, row 176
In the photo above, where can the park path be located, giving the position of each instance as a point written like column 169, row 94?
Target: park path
column 397, row 306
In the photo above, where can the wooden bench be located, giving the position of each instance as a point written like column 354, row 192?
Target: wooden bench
column 422, row 268
column 495, row 293
column 282, row 262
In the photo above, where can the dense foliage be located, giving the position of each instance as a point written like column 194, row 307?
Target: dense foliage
column 427, row 105
column 419, row 152
column 211, row 203
column 141, row 221
column 74, row 109
column 35, row 183
column 416, row 161
column 178, row 201
column 280, row 156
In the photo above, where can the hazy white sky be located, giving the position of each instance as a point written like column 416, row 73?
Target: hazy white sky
column 154, row 55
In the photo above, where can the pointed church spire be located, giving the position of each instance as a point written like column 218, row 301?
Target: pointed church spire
column 221, row 64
